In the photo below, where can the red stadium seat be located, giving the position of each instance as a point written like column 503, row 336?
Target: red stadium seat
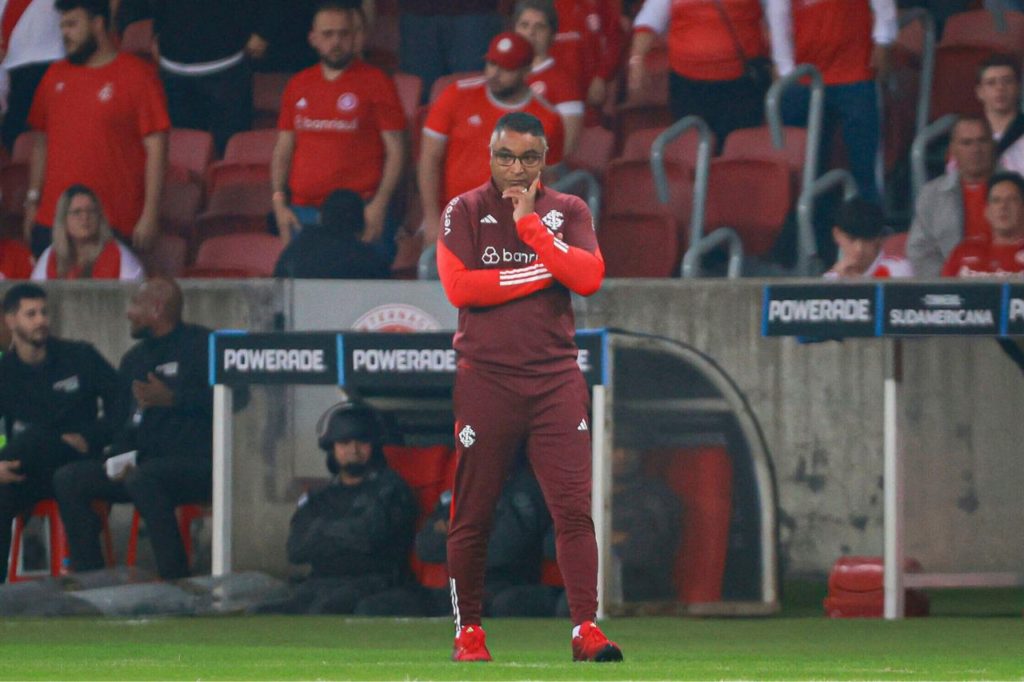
column 57, row 540
column 629, row 189
column 423, row 468
column 187, row 514
column 138, row 38
column 630, row 118
column 756, row 143
column 593, row 152
column 179, row 206
column 167, row 257
column 956, row 72
column 253, row 254
column 190, row 151
column 247, row 157
column 249, row 199
column 683, row 150
column 410, row 91
column 753, row 197
column 444, row 81
column 978, row 28
column 639, row 245
column 267, row 89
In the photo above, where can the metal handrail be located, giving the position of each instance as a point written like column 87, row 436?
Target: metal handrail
column 592, row 189
column 700, row 185
column 924, row 91
column 919, row 151
column 807, row 248
column 727, row 235
column 808, row 263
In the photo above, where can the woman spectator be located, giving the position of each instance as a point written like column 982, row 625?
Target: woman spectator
column 718, row 57
column 84, row 246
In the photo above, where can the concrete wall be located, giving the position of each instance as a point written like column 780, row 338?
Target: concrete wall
column 820, row 408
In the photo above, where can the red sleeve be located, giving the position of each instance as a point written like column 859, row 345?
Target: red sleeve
column 614, row 39
column 15, row 260
column 387, row 108
column 151, row 103
column 952, row 266
column 439, row 118
column 476, row 288
column 579, row 265
column 286, row 117
column 40, row 103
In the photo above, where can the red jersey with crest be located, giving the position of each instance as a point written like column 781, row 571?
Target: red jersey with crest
column 95, row 120
column 549, row 80
column 590, row 39
column 464, row 116
column 511, row 281
column 337, row 127
column 980, row 257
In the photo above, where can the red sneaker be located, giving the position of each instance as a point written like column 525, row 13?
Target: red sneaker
column 470, row 645
column 592, row 645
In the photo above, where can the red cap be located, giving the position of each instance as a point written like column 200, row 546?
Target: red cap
column 510, row 51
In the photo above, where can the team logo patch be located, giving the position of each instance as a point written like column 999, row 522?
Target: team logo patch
column 168, row 369
column 59, row 87
column 504, row 45
column 69, row 385
column 396, row 317
column 106, row 92
column 347, row 102
column 301, row 104
column 582, row 426
column 489, row 219
column 553, row 219
column 467, row 436
column 490, row 256
column 593, row 22
column 539, row 87
column 475, row 120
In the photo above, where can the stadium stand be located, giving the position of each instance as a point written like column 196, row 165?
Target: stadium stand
column 187, row 515
column 14, row 185
column 57, row 540
column 639, row 245
column 267, row 89
column 236, row 255
column 167, row 258
column 246, row 159
column 137, row 38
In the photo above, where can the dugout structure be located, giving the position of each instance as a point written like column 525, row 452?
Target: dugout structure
column 893, row 311
column 666, row 403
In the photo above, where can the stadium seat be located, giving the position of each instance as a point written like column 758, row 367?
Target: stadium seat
column 190, row 151
column 593, row 152
column 410, row 91
column 630, row 118
column 251, row 255
column 167, row 257
column 753, row 197
column 246, row 158
column 137, row 39
column 179, row 206
column 639, row 245
column 956, row 72
column 978, row 28
column 756, row 144
column 57, row 540
column 267, row 89
column 444, row 81
column 187, row 514
column 629, row 189
column 14, row 185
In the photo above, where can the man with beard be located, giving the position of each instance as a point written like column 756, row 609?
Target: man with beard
column 168, row 423
column 341, row 127
column 48, row 400
column 103, row 119
column 460, row 122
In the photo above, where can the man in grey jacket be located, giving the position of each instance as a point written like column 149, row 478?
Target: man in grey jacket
column 952, row 206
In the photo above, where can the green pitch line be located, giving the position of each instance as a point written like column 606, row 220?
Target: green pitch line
column 297, row 648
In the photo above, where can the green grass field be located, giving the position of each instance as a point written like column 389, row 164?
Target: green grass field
column 800, row 644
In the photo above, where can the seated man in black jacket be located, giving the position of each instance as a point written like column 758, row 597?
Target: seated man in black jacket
column 331, row 249
column 167, row 421
column 356, row 532
column 48, row 400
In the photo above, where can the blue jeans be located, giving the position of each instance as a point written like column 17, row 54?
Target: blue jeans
column 853, row 106
column 431, row 46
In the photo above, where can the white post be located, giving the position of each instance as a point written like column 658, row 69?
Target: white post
column 893, row 482
column 599, row 495
column 222, row 446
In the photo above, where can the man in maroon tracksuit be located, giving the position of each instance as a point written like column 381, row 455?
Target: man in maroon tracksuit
column 509, row 253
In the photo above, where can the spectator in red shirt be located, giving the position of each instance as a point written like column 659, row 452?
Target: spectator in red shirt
column 718, row 58
column 15, row 260
column 1001, row 253
column 858, row 234
column 460, row 122
column 848, row 41
column 589, row 45
column 341, row 127
column 536, row 21
column 84, row 246
column 104, row 122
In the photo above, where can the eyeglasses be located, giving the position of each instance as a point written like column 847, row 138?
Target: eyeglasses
column 82, row 212
column 529, row 159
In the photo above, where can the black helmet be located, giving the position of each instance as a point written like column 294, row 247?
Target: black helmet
column 345, row 421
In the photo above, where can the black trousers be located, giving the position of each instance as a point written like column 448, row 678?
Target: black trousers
column 220, row 103
column 339, row 595
column 725, row 105
column 24, row 81
column 41, row 453
column 155, row 487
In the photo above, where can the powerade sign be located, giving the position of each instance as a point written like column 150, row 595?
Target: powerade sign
column 357, row 359
column 894, row 309
column 834, row 310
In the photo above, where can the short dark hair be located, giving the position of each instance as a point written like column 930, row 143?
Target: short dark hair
column 21, row 292
column 520, row 122
column 351, row 8
column 342, row 212
column 971, row 118
column 545, row 7
column 861, row 219
column 94, row 8
column 1000, row 59
column 1006, row 176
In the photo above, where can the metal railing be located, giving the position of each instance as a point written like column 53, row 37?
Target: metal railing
column 919, row 152
column 592, row 190
column 805, row 212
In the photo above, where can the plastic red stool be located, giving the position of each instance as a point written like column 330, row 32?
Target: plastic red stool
column 187, row 513
column 57, row 539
